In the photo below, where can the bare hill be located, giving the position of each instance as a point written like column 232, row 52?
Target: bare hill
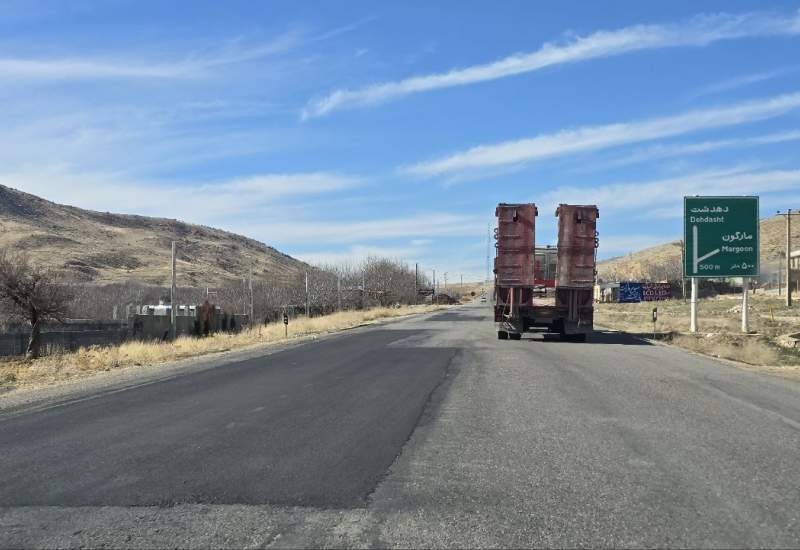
column 664, row 261
column 104, row 247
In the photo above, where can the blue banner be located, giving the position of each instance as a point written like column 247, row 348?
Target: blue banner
column 630, row 292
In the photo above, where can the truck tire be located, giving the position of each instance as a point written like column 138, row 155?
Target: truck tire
column 502, row 335
column 515, row 336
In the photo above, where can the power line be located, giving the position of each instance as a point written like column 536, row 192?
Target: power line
column 488, row 251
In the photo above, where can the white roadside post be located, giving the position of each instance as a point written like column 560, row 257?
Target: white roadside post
column 693, row 324
column 745, row 285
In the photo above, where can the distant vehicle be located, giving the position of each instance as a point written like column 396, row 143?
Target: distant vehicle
column 544, row 266
column 522, row 272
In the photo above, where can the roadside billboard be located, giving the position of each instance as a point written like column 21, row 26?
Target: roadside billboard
column 655, row 292
column 631, row 292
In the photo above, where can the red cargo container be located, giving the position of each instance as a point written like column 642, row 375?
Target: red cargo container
column 516, row 236
column 577, row 244
column 568, row 310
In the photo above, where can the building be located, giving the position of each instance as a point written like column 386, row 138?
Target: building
column 154, row 321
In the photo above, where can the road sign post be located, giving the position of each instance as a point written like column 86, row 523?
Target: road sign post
column 693, row 318
column 655, row 318
column 745, row 285
column 721, row 239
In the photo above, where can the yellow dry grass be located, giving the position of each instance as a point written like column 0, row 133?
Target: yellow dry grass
column 720, row 327
column 750, row 350
column 87, row 361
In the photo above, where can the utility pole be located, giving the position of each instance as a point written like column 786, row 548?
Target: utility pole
column 416, row 282
column 308, row 311
column 338, row 291
column 434, row 282
column 789, row 258
column 252, row 319
column 363, row 289
column 173, row 328
column 488, row 251
column 445, row 282
column 683, row 275
column 462, row 282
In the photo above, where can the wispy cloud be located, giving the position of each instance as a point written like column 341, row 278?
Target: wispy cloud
column 662, row 198
column 682, row 149
column 422, row 225
column 218, row 202
column 622, row 244
column 194, row 65
column 87, row 68
column 592, row 138
column 144, row 141
column 355, row 254
column 698, row 31
column 84, row 69
column 741, row 81
column 344, row 29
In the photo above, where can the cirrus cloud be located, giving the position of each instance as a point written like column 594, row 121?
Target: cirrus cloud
column 700, row 30
column 592, row 138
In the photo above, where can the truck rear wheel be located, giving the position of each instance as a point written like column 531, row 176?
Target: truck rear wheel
column 502, row 335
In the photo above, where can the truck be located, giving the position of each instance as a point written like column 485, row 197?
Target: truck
column 522, row 302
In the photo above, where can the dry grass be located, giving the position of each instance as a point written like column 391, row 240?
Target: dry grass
column 719, row 321
column 87, row 361
column 750, row 350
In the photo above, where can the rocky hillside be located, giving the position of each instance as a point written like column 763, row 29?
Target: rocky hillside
column 664, row 261
column 104, row 247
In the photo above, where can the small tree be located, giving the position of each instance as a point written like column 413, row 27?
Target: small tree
column 31, row 292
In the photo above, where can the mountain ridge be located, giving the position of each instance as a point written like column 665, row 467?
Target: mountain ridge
column 104, row 247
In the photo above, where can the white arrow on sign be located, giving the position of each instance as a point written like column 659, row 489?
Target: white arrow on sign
column 695, row 259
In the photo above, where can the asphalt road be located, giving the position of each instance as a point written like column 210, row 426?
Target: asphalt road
column 417, row 433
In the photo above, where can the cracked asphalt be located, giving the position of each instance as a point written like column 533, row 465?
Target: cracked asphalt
column 426, row 432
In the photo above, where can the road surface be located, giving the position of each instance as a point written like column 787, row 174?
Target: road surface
column 423, row 432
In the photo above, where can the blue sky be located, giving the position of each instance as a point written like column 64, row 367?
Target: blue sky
column 336, row 130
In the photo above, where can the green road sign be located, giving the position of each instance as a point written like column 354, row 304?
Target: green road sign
column 720, row 236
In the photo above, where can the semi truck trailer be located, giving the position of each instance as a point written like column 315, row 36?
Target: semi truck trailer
column 521, row 303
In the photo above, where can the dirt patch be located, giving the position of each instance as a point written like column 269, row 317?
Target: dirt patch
column 44, row 240
column 117, row 260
